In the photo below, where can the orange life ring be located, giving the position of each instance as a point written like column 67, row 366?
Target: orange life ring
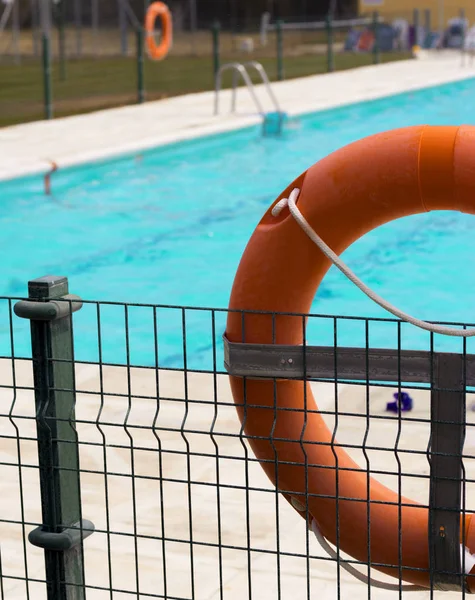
column 158, row 10
column 352, row 191
column 366, row 41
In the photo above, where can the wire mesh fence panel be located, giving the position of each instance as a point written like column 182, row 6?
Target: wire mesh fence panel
column 88, row 85
column 123, row 458
column 22, row 565
column 98, row 59
column 21, row 92
column 188, row 67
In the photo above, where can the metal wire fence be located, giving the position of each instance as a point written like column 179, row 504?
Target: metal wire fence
column 126, row 479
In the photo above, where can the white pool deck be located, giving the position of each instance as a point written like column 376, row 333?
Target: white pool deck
column 27, row 149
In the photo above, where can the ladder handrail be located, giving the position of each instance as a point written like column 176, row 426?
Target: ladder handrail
column 265, row 80
column 241, row 69
column 238, row 69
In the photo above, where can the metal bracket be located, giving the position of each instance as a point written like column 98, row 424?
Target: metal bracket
column 262, row 361
column 67, row 539
column 48, row 311
column 447, row 439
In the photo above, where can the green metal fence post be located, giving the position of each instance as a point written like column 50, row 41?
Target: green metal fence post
column 427, row 20
column 464, row 33
column 78, row 25
column 140, row 66
column 376, row 52
column 48, row 104
column 60, row 17
column 49, row 310
column 124, row 29
column 215, row 31
column 34, row 11
column 417, row 22
column 280, row 50
column 330, row 53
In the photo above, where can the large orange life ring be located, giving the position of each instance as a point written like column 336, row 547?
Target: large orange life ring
column 158, row 10
column 352, row 191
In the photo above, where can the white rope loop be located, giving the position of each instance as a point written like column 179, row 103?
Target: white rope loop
column 290, row 202
column 382, row 585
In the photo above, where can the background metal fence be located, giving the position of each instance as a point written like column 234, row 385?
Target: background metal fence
column 93, row 57
column 123, row 480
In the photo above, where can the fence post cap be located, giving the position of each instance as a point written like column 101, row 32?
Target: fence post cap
column 49, row 286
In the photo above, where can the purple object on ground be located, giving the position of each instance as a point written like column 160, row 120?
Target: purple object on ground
column 402, row 402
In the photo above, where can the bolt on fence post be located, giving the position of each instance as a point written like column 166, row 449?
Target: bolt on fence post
column 215, row 31
column 280, row 50
column 140, row 66
column 330, row 54
column 48, row 104
column 376, row 52
column 49, row 310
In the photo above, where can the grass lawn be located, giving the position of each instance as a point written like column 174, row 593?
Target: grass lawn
column 95, row 83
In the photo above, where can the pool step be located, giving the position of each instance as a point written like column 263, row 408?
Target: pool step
column 273, row 123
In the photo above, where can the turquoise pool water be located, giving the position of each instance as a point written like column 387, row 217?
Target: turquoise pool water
column 170, row 229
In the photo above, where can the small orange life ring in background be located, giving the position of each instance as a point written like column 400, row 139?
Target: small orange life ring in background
column 158, row 10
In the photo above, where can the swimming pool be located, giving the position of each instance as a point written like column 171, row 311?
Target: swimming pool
column 169, row 227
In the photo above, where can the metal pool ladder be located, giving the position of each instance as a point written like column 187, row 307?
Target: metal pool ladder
column 239, row 69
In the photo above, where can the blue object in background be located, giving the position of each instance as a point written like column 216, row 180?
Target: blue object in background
column 402, row 402
column 386, row 37
column 431, row 40
column 352, row 40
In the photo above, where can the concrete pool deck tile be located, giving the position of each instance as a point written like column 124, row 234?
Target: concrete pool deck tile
column 28, row 148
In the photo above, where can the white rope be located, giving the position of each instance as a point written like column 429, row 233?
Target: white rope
column 393, row 587
column 297, row 215
column 468, row 562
